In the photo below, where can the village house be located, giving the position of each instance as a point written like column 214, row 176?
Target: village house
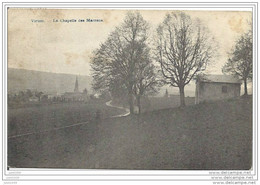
column 33, row 99
column 216, row 87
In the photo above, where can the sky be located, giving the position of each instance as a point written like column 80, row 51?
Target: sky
column 62, row 47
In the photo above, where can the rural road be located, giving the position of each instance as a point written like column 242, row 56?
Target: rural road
column 127, row 111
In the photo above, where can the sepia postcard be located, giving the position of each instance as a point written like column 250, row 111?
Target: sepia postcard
column 129, row 89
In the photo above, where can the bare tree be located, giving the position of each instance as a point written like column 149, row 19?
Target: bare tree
column 118, row 92
column 147, row 80
column 116, row 61
column 183, row 48
column 241, row 61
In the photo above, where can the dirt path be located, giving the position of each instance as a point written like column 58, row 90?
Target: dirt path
column 127, row 111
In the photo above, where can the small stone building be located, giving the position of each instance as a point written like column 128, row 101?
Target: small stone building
column 216, row 87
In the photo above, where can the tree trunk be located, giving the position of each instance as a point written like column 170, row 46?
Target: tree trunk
column 245, row 86
column 182, row 96
column 131, row 103
column 139, row 104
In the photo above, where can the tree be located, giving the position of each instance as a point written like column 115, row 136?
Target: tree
column 44, row 98
column 38, row 95
column 118, row 93
column 85, row 91
column 29, row 93
column 166, row 93
column 183, row 48
column 147, row 79
column 241, row 62
column 22, row 97
column 116, row 63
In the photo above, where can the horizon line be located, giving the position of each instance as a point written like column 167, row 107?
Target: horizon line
column 48, row 71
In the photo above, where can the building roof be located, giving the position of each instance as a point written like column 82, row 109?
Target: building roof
column 219, row 78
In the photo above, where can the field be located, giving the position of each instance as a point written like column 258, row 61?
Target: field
column 50, row 116
column 157, row 103
column 215, row 135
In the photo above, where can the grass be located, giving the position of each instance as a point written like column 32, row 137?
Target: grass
column 216, row 135
column 157, row 103
column 49, row 116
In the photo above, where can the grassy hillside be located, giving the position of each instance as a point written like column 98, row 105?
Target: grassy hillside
column 215, row 135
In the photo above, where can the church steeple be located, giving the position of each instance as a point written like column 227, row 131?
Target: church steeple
column 76, row 89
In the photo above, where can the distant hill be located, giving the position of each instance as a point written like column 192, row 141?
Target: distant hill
column 21, row 79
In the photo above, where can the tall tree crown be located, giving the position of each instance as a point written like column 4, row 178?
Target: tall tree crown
column 183, row 48
column 240, row 62
column 123, row 61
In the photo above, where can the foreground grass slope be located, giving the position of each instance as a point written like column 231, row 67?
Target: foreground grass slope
column 206, row 136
